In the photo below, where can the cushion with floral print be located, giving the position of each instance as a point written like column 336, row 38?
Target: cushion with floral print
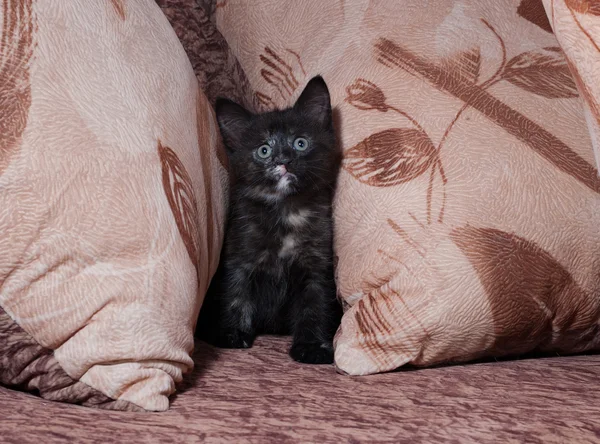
column 467, row 216
column 111, row 202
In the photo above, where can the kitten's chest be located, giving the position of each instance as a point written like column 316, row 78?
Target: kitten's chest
column 279, row 246
column 283, row 238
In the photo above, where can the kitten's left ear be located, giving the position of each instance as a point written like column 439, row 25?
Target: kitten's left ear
column 315, row 101
column 233, row 120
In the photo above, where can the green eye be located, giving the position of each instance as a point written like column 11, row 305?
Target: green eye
column 300, row 144
column 264, row 152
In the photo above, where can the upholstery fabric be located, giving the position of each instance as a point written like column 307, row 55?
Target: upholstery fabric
column 111, row 202
column 577, row 27
column 260, row 395
column 467, row 216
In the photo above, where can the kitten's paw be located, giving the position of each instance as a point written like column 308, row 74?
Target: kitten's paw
column 312, row 352
column 234, row 339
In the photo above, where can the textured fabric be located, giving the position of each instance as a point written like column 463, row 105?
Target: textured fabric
column 261, row 396
column 468, row 209
column 577, row 28
column 28, row 366
column 111, row 200
column 218, row 71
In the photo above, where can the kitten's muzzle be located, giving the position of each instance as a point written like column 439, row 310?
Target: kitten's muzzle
column 281, row 170
column 283, row 159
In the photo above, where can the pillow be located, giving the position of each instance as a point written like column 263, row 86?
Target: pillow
column 467, row 216
column 112, row 202
column 577, row 27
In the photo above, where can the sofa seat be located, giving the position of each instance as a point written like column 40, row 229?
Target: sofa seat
column 260, row 395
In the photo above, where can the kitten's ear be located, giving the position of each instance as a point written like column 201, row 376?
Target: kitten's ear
column 233, row 120
column 315, row 101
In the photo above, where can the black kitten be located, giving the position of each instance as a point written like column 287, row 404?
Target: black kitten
column 276, row 271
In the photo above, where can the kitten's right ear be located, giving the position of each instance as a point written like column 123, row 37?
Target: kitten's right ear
column 315, row 101
column 233, row 120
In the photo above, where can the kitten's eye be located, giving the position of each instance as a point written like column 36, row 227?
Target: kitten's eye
column 300, row 144
column 264, row 151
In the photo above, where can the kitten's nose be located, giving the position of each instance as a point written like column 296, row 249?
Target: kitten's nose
column 282, row 159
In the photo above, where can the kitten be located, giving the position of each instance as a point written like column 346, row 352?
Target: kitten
column 276, row 271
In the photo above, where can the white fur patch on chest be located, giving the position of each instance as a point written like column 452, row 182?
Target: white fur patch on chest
column 297, row 219
column 288, row 246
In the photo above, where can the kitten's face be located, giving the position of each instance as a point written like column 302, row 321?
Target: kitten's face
column 277, row 154
column 282, row 153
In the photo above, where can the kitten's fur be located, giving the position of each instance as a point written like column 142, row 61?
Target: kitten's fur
column 276, row 272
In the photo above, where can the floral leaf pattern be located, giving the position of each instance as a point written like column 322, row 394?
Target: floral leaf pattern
column 584, row 6
column 515, row 272
column 365, row 95
column 119, row 8
column 543, row 73
column 391, row 157
column 533, row 11
column 467, row 63
column 16, row 48
column 180, row 195
column 280, row 75
column 538, row 138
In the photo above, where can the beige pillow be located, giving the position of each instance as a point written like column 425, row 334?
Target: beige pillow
column 468, row 210
column 577, row 27
column 111, row 202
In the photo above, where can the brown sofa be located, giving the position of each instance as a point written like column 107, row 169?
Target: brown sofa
column 261, row 395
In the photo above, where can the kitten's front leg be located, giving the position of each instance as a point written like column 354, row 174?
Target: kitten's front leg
column 317, row 316
column 237, row 328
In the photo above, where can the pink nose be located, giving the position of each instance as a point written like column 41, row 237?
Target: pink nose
column 281, row 169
